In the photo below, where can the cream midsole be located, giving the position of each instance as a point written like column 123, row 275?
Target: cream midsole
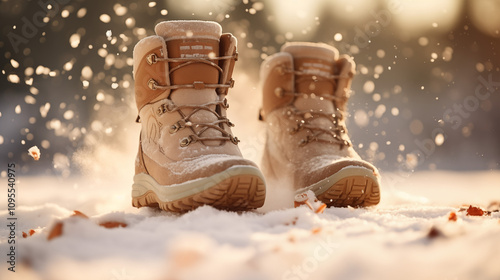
column 144, row 183
column 350, row 171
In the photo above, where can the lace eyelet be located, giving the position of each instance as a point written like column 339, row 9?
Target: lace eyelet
column 225, row 105
column 280, row 70
column 303, row 142
column 186, row 141
column 174, row 128
column 170, row 107
column 152, row 84
column 279, row 92
column 234, row 140
column 151, row 58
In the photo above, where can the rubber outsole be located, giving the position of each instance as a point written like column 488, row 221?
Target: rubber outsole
column 354, row 191
column 237, row 193
column 352, row 186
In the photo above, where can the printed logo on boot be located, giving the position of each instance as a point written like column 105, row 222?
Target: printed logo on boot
column 197, row 50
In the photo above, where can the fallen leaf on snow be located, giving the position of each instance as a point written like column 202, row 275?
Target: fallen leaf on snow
column 112, row 224
column 316, row 230
column 474, row 211
column 77, row 213
column 452, row 217
column 434, row 232
column 294, row 221
column 57, row 229
column 31, row 232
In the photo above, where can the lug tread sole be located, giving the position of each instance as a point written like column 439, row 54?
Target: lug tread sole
column 237, row 193
column 354, row 191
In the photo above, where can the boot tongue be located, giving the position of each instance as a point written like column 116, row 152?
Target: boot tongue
column 316, row 63
column 193, row 39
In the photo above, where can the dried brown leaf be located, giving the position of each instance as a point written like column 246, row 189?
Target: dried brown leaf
column 434, row 232
column 452, row 216
column 316, row 230
column 77, row 213
column 474, row 211
column 113, row 224
column 56, row 231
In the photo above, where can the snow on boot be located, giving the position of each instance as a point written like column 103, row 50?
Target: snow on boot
column 187, row 155
column 305, row 91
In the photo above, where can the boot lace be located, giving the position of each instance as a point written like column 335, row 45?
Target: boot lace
column 185, row 122
column 305, row 117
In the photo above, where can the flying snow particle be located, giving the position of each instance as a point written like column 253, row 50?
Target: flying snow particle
column 87, row 72
column 65, row 13
column 439, row 139
column 120, row 10
column 1, row 139
column 45, row 144
column 337, row 37
column 447, row 54
column 416, row 127
column 68, row 115
column 74, row 40
column 361, row 118
column 380, row 111
column 28, row 99
column 14, row 63
column 151, row 4
column 380, row 53
column 18, row 109
column 105, row 18
column 44, row 109
column 369, row 86
column 130, row 22
column 395, row 111
column 258, row 6
column 68, row 65
column 100, row 96
column 81, row 13
column 34, row 152
column 479, row 67
column 29, row 71
column 109, row 33
column 13, row 78
column 423, row 41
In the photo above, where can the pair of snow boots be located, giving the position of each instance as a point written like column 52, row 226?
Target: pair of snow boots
column 189, row 157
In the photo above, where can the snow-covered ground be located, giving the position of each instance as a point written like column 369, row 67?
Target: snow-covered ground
column 389, row 241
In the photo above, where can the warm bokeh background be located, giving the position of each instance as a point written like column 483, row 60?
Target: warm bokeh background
column 66, row 82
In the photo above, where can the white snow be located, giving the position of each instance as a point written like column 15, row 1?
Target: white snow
column 384, row 242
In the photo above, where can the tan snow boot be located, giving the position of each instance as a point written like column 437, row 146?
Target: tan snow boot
column 188, row 156
column 305, row 91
